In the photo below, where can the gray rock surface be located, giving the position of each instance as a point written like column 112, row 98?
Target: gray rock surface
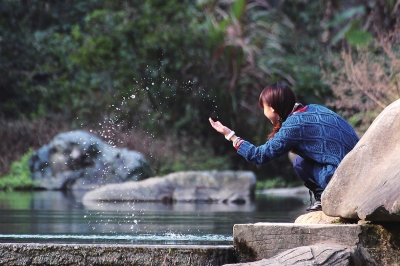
column 191, row 186
column 21, row 254
column 78, row 160
column 369, row 244
column 322, row 255
column 265, row 240
column 366, row 184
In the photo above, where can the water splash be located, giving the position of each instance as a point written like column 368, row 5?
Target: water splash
column 163, row 92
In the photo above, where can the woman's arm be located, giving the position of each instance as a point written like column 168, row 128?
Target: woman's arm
column 272, row 149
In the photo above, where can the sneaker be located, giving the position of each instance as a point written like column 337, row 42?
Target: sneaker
column 315, row 207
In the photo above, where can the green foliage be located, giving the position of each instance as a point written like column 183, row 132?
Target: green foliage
column 277, row 182
column 166, row 66
column 238, row 8
column 364, row 80
column 359, row 37
column 351, row 20
column 361, row 22
column 19, row 176
column 25, row 58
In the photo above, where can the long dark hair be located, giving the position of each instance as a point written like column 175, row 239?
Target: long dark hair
column 280, row 97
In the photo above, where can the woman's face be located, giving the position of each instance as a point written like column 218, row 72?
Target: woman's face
column 270, row 113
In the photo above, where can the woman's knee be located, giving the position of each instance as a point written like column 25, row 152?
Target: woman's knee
column 301, row 169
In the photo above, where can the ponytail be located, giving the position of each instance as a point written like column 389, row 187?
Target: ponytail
column 274, row 130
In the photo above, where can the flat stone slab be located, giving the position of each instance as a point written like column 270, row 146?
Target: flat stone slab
column 102, row 254
column 370, row 244
column 265, row 240
column 310, row 255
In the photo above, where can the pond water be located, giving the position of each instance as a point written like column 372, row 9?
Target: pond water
column 59, row 217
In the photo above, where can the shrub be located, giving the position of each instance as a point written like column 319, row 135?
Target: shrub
column 365, row 78
column 19, row 175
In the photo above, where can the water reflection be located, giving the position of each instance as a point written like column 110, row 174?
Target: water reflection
column 53, row 216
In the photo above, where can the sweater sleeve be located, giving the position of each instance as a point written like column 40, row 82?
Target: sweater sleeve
column 272, row 149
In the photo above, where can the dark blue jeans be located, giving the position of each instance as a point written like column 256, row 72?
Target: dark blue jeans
column 309, row 171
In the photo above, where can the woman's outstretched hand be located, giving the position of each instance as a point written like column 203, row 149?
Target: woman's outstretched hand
column 219, row 127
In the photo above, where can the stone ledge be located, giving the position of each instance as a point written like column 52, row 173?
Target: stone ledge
column 264, row 240
column 378, row 243
column 13, row 254
column 369, row 244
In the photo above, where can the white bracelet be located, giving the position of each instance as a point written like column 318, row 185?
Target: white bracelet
column 230, row 135
column 236, row 141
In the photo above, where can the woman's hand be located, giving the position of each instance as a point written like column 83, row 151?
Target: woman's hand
column 219, row 127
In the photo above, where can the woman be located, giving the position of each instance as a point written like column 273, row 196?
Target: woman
column 318, row 136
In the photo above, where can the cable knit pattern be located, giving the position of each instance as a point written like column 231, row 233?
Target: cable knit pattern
column 317, row 134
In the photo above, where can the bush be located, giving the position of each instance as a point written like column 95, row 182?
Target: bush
column 365, row 80
column 19, row 176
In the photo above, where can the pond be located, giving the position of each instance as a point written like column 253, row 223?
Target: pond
column 62, row 217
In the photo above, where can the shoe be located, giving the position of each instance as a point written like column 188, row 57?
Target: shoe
column 315, row 207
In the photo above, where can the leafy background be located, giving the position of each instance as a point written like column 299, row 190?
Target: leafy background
column 147, row 74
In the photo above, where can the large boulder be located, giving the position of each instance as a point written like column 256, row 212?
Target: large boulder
column 192, row 186
column 366, row 184
column 78, row 160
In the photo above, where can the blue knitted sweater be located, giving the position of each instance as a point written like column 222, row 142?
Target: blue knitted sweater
column 316, row 134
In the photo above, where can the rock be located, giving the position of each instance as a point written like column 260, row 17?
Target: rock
column 192, row 186
column 307, row 255
column 369, row 244
column 13, row 254
column 366, row 184
column 318, row 217
column 265, row 240
column 77, row 160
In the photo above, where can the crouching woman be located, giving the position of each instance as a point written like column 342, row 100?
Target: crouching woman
column 319, row 137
